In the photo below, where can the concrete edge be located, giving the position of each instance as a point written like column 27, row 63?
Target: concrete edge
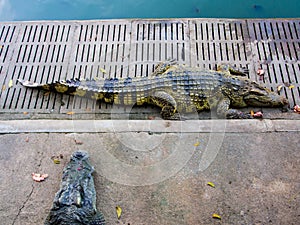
column 155, row 126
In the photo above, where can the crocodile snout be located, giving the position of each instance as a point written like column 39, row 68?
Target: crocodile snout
column 277, row 100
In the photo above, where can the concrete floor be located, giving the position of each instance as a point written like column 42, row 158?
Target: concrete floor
column 161, row 177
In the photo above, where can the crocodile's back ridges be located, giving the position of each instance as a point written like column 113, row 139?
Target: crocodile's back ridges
column 180, row 80
column 75, row 202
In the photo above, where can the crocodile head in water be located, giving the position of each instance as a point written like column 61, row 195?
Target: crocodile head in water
column 75, row 202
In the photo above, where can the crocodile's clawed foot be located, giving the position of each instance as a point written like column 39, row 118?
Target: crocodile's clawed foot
column 178, row 116
column 163, row 66
column 242, row 71
column 169, row 113
column 236, row 114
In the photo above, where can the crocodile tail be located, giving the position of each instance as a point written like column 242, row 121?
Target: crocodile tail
column 69, row 87
column 27, row 83
column 58, row 86
column 102, row 89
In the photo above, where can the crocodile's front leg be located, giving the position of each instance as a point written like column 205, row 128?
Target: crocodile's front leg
column 223, row 111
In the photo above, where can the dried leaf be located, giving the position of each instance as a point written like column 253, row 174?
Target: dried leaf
column 78, row 142
column 291, row 86
column 252, row 113
column 25, row 113
column 258, row 115
column 279, row 88
column 216, row 216
column 1, row 46
column 46, row 93
column 39, row 177
column 27, row 139
column 70, row 113
column 102, row 70
column 260, row 72
column 211, row 184
column 3, row 87
column 10, row 83
column 119, row 211
column 297, row 109
column 56, row 161
column 56, row 158
column 197, row 144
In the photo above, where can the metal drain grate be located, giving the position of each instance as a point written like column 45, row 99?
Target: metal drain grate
column 8, row 35
column 155, row 41
column 49, row 51
column 276, row 49
column 41, row 53
column 220, row 41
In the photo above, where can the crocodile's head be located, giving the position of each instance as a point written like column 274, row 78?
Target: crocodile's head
column 256, row 95
column 79, row 155
column 75, row 202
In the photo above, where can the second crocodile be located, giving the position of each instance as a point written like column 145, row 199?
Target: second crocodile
column 75, row 202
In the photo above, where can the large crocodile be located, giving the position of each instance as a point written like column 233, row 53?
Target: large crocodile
column 75, row 202
column 176, row 89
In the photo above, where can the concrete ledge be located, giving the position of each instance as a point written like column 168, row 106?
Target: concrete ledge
column 155, row 126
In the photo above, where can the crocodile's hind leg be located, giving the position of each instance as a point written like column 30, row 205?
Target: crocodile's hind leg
column 233, row 70
column 167, row 104
column 162, row 67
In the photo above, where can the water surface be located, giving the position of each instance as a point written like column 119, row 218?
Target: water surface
column 111, row 9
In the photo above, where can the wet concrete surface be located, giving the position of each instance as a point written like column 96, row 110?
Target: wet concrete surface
column 157, row 178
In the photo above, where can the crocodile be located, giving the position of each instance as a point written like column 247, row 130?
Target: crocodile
column 176, row 89
column 75, row 202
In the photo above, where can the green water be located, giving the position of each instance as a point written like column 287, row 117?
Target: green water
column 11, row 10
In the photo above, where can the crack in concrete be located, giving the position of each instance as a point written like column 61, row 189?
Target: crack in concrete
column 23, row 205
column 32, row 186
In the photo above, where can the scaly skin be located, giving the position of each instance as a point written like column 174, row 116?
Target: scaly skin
column 75, row 202
column 176, row 89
